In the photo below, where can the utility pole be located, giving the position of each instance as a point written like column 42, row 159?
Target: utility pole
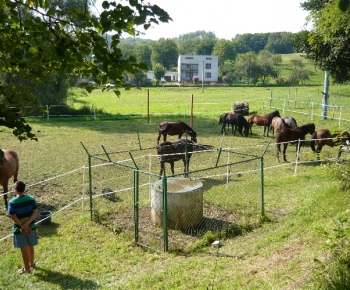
column 325, row 96
column 203, row 77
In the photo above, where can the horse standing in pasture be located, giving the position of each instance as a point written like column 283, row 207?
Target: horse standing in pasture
column 290, row 122
column 223, row 123
column 262, row 121
column 324, row 137
column 278, row 124
column 281, row 123
column 175, row 128
column 237, row 121
column 181, row 149
column 292, row 135
column 9, row 166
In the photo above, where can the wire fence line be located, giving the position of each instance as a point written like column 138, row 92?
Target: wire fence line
column 335, row 112
column 226, row 201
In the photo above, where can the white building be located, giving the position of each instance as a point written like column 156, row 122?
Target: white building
column 168, row 77
column 205, row 67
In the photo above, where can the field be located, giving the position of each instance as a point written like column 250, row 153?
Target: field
column 276, row 252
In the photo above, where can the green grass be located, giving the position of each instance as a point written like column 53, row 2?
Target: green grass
column 76, row 253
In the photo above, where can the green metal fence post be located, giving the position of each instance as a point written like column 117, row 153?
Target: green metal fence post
column 136, row 205
column 165, row 213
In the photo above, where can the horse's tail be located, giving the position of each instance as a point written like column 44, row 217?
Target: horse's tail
column 312, row 142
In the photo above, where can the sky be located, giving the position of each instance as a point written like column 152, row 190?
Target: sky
column 226, row 18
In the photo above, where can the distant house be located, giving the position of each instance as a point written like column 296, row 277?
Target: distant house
column 170, row 76
column 204, row 67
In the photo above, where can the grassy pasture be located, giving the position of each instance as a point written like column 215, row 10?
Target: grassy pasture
column 75, row 253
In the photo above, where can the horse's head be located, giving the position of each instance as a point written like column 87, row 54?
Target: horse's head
column 246, row 131
column 276, row 113
column 194, row 139
column 312, row 128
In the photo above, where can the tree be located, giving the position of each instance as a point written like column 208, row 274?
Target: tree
column 143, row 54
column 159, row 71
column 227, row 72
column 246, row 67
column 268, row 66
column 329, row 41
column 205, row 46
column 165, row 52
column 225, row 50
column 188, row 46
column 39, row 40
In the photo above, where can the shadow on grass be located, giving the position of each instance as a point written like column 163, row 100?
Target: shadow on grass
column 65, row 281
column 47, row 230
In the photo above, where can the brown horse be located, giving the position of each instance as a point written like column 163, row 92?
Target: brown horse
column 262, row 121
column 324, row 137
column 9, row 166
column 237, row 121
column 181, row 149
column 175, row 128
column 292, row 135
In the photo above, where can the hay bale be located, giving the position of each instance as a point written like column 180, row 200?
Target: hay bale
column 241, row 108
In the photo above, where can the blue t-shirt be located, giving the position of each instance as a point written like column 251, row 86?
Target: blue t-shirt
column 22, row 206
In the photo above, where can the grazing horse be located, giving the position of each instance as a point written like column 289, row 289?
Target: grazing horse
column 262, row 120
column 292, row 135
column 9, row 166
column 324, row 137
column 181, row 149
column 237, row 121
column 223, row 123
column 175, row 128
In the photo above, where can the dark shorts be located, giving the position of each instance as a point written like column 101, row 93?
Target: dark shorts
column 22, row 240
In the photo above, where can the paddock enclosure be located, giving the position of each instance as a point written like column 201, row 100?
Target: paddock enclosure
column 56, row 170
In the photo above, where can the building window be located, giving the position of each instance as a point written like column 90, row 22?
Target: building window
column 189, row 57
column 208, row 66
column 207, row 75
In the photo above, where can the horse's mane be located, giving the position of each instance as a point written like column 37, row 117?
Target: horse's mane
column 188, row 128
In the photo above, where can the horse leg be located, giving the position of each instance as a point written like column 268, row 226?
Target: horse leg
column 278, row 151
column 162, row 169
column 158, row 139
column 266, row 128
column 240, row 128
column 318, row 150
column 172, row 167
column 285, row 145
column 223, row 128
column 340, row 150
column 5, row 196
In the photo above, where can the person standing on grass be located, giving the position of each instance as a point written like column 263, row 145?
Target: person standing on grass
column 23, row 210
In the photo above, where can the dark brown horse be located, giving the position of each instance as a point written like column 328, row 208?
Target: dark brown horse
column 181, row 149
column 292, row 135
column 324, row 137
column 262, row 121
column 175, row 128
column 237, row 121
column 9, row 166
